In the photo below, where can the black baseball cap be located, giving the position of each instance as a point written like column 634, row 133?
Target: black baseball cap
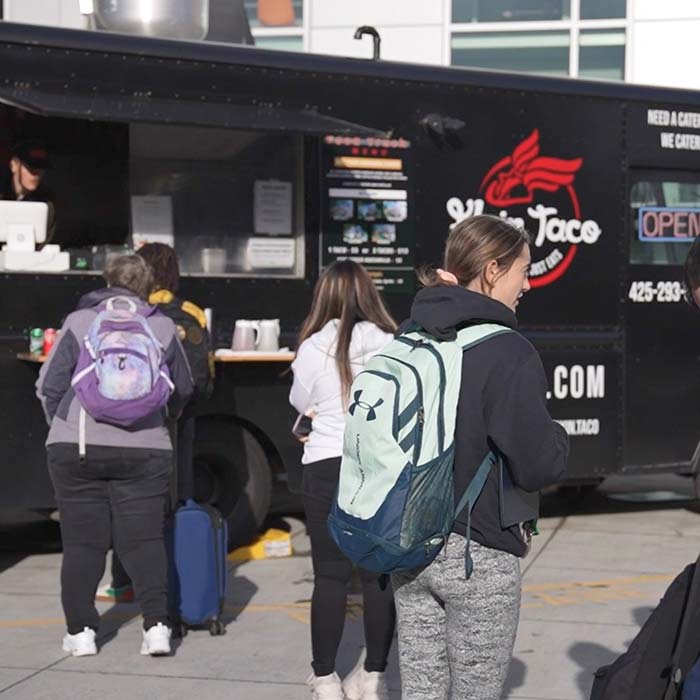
column 32, row 154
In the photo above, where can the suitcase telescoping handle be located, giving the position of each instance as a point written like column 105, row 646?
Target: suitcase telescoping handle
column 676, row 674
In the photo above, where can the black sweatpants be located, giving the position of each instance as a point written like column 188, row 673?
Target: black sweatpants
column 185, row 480
column 117, row 496
column 332, row 573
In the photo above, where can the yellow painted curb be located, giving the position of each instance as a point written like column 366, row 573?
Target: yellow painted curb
column 271, row 544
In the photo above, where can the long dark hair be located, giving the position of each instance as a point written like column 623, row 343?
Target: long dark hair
column 345, row 291
column 472, row 244
column 163, row 261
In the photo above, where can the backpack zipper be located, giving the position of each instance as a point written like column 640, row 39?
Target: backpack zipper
column 419, row 426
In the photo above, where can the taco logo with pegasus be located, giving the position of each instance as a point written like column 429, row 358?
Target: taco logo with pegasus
column 544, row 187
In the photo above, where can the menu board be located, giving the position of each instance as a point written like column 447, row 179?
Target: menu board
column 367, row 208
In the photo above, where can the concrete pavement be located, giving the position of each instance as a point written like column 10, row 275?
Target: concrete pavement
column 591, row 580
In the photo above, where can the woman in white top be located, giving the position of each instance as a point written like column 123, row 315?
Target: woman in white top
column 347, row 324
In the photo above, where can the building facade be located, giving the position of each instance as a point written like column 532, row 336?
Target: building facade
column 640, row 41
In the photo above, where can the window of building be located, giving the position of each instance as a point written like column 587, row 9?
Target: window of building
column 602, row 9
column 277, row 24
column 509, row 10
column 531, row 52
column 281, row 43
column 549, row 37
column 602, row 54
column 275, row 13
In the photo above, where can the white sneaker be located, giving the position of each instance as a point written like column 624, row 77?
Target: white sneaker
column 365, row 685
column 156, row 640
column 81, row 644
column 325, row 687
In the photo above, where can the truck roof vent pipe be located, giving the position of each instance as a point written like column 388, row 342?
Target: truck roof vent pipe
column 361, row 31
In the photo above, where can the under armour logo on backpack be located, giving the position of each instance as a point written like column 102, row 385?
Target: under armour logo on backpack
column 371, row 410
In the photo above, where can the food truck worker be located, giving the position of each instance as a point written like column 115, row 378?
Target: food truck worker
column 29, row 161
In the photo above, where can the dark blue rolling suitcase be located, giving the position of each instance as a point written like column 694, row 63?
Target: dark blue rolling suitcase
column 199, row 548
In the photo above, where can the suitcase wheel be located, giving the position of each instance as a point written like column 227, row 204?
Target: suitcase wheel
column 179, row 630
column 217, row 628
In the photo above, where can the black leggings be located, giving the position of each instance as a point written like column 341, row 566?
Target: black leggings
column 185, row 481
column 332, row 573
column 120, row 496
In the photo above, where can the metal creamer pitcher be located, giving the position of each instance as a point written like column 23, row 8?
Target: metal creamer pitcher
column 173, row 19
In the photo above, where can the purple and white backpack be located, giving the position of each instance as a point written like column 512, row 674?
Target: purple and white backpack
column 121, row 375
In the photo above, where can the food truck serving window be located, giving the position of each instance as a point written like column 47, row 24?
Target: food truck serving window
column 665, row 217
column 231, row 202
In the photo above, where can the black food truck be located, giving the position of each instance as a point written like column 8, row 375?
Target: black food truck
column 262, row 167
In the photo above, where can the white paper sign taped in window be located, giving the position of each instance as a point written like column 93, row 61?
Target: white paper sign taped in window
column 151, row 220
column 271, row 253
column 272, row 207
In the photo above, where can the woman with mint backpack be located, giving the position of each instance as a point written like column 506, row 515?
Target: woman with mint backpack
column 348, row 323
column 456, row 634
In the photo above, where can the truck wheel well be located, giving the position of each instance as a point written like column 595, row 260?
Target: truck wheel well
column 273, row 456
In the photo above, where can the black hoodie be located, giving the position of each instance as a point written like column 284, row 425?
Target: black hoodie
column 502, row 405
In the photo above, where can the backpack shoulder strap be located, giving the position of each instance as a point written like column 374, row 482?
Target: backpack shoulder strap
column 476, row 485
column 469, row 498
column 470, row 337
column 475, row 335
column 193, row 310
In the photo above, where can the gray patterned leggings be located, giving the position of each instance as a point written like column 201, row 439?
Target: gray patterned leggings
column 456, row 635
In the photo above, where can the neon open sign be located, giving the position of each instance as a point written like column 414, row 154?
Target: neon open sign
column 668, row 224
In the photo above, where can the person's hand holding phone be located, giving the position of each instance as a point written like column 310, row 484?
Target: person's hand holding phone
column 303, row 425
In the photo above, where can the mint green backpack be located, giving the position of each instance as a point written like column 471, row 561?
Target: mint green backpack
column 395, row 504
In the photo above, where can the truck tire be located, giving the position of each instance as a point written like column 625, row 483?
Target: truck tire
column 232, row 473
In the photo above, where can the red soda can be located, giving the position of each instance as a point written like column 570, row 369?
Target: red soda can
column 49, row 340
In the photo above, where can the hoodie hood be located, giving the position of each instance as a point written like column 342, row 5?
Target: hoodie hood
column 367, row 340
column 99, row 296
column 441, row 311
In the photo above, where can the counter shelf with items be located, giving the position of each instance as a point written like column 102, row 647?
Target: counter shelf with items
column 226, row 355
column 234, row 357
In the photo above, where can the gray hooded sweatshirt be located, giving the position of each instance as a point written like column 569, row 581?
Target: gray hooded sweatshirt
column 61, row 406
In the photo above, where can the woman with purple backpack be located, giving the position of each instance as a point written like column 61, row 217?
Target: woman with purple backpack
column 115, row 375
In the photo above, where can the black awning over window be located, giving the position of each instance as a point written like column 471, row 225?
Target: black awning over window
column 137, row 108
